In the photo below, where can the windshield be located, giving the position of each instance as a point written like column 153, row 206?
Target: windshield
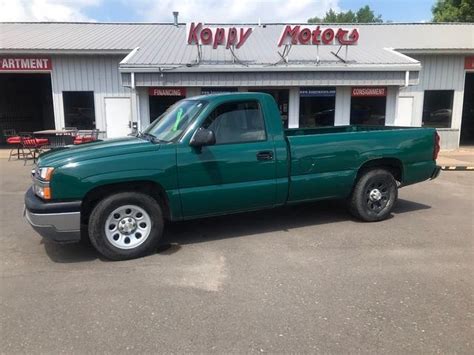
column 175, row 120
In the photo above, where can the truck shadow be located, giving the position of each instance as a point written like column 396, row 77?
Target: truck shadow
column 279, row 219
column 179, row 234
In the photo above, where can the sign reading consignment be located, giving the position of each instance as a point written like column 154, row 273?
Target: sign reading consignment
column 25, row 64
column 217, row 36
column 298, row 35
column 370, row 91
column 167, row 91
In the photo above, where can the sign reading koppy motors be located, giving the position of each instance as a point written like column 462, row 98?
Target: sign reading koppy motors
column 291, row 35
column 25, row 64
column 217, row 36
column 299, row 35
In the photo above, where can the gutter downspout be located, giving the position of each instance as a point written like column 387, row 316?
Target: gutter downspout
column 407, row 78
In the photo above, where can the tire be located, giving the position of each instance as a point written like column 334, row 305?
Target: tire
column 126, row 225
column 374, row 196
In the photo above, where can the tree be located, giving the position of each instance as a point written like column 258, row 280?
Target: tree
column 453, row 11
column 363, row 15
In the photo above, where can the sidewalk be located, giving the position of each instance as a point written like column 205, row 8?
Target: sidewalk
column 459, row 159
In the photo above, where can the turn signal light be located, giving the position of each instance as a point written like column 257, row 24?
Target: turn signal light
column 47, row 193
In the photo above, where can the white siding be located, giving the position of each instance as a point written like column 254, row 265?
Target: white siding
column 88, row 73
column 439, row 72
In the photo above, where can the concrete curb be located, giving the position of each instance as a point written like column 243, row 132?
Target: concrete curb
column 457, row 168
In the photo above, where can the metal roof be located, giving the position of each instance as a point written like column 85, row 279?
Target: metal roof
column 164, row 45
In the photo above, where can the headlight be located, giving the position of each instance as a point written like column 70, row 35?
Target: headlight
column 41, row 179
column 42, row 191
column 45, row 173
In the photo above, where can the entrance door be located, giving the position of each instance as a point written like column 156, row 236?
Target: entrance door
column 405, row 111
column 467, row 124
column 118, row 116
column 235, row 174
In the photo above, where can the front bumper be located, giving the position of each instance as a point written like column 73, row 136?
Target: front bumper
column 58, row 221
column 436, row 172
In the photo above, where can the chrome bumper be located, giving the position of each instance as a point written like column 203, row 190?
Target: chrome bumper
column 60, row 227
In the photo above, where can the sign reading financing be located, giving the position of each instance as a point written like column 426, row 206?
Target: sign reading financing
column 217, row 36
column 25, row 64
column 298, row 35
column 167, row 91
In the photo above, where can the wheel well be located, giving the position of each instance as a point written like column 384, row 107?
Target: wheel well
column 393, row 165
column 94, row 196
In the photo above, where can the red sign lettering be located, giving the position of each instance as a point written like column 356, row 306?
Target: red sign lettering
column 371, row 91
column 469, row 63
column 167, row 91
column 328, row 36
column 217, row 36
column 25, row 64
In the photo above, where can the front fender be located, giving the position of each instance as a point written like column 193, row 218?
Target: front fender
column 73, row 180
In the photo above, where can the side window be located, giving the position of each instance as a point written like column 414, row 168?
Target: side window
column 237, row 122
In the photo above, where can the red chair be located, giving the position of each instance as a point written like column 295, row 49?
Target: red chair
column 12, row 139
column 86, row 136
column 30, row 146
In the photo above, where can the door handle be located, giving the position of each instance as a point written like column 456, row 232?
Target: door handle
column 265, row 155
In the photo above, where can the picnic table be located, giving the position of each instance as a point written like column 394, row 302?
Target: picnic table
column 57, row 132
column 57, row 137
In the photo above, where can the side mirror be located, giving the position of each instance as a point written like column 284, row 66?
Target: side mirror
column 203, row 137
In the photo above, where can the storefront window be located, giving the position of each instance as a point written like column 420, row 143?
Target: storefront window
column 161, row 99
column 79, row 109
column 317, row 107
column 438, row 108
column 281, row 97
column 368, row 105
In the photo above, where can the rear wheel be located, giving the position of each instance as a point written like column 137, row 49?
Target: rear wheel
column 126, row 225
column 374, row 195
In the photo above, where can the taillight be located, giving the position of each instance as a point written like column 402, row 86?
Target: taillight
column 437, row 146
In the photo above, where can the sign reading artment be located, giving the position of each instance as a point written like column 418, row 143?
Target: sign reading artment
column 370, row 91
column 25, row 64
column 217, row 36
column 469, row 63
column 298, row 35
column 167, row 91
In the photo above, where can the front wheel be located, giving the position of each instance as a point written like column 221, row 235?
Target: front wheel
column 374, row 195
column 126, row 225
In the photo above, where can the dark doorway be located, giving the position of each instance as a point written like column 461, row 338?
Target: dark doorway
column 467, row 123
column 368, row 110
column 79, row 109
column 159, row 104
column 26, row 103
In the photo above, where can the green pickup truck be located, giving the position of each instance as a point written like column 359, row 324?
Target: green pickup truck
column 214, row 155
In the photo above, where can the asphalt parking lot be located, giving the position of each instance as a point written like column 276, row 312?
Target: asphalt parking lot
column 301, row 279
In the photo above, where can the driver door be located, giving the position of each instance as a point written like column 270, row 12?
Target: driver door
column 237, row 173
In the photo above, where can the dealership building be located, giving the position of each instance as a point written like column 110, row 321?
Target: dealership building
column 118, row 76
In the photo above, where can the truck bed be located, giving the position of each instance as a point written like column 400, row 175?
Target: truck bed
column 324, row 161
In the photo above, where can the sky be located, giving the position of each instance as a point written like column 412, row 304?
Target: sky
column 216, row 11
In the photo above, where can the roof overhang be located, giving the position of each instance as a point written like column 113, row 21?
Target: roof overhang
column 226, row 68
column 8, row 51
column 437, row 51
